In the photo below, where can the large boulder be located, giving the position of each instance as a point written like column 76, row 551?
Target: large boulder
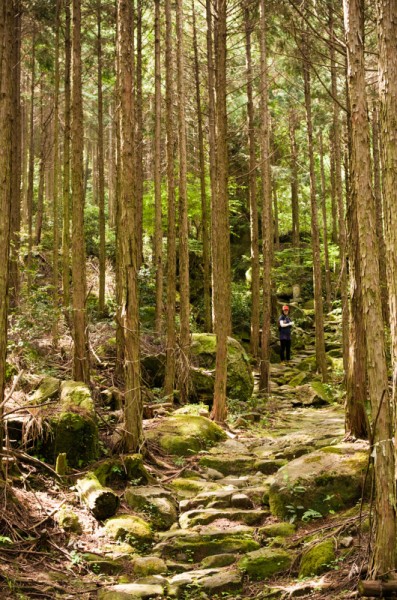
column 70, row 424
column 240, row 382
column 184, row 435
column 319, row 483
column 265, row 562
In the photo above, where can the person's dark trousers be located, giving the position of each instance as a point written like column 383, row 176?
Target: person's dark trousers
column 285, row 350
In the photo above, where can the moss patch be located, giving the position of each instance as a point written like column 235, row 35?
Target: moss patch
column 277, row 530
column 126, row 468
column 48, row 388
column 266, row 562
column 317, row 559
column 129, row 528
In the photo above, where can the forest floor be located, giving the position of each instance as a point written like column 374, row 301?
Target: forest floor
column 222, row 515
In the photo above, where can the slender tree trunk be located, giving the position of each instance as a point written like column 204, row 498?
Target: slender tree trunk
column 203, row 191
column 101, row 171
column 267, row 229
column 253, row 203
column 29, row 201
column 387, row 32
column 42, row 166
column 158, row 227
column 139, row 133
column 16, row 157
column 183, row 215
column 383, row 559
column 6, row 133
column 293, row 125
column 171, row 233
column 81, row 365
column 318, row 299
column 275, row 212
column 380, row 216
column 337, row 196
column 66, row 164
column 55, row 180
column 221, row 233
column 112, row 166
column 133, row 435
column 325, row 229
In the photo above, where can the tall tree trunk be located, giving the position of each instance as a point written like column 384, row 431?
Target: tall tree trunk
column 42, row 166
column 293, row 125
column 66, row 164
column 16, row 156
column 183, row 215
column 220, row 208
column 101, row 171
column 275, row 212
column 139, row 133
column 158, row 227
column 318, row 299
column 29, row 199
column 337, row 195
column 171, row 233
column 6, row 76
column 81, row 365
column 55, row 180
column 133, row 435
column 267, row 229
column 387, row 32
column 203, row 191
column 253, row 203
column 325, row 229
column 380, row 216
column 384, row 549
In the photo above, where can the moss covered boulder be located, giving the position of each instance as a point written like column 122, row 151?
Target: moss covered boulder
column 71, row 422
column 309, row 364
column 318, row 559
column 321, row 482
column 155, row 503
column 130, row 591
column 312, row 394
column 48, row 388
column 240, row 382
column 125, row 468
column 265, row 562
column 129, row 528
column 184, row 435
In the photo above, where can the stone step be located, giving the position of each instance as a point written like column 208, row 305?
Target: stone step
column 232, row 498
column 207, row 516
column 184, row 545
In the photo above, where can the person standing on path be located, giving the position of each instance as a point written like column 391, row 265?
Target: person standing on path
column 284, row 327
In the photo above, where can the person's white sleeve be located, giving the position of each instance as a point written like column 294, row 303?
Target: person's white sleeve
column 283, row 324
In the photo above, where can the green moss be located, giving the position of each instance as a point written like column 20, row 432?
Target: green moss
column 76, row 394
column 10, row 371
column 198, row 547
column 229, row 464
column 126, row 468
column 317, row 559
column 217, row 561
column 77, row 436
column 102, row 565
column 323, row 391
column 184, row 435
column 68, row 520
column 298, row 379
column 144, row 566
column 48, row 388
column 309, row 364
column 277, row 530
column 264, row 563
column 129, row 528
column 332, row 450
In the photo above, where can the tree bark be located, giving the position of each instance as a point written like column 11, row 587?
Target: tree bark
column 133, row 409
column 184, row 292
column 66, row 164
column 318, row 299
column 325, row 228
column 29, row 199
column 55, row 179
column 293, row 125
column 101, row 170
column 220, row 208
column 253, row 202
column 383, row 558
column 267, row 229
column 171, row 233
column 6, row 132
column 158, row 227
column 139, row 134
column 81, row 365
column 204, row 199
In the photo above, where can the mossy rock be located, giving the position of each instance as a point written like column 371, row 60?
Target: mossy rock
column 189, row 488
column 298, row 379
column 143, row 566
column 324, row 481
column 317, row 559
column 240, row 382
column 129, row 528
column 102, row 565
column 311, row 394
column 277, row 530
column 126, row 468
column 184, row 435
column 266, row 562
column 229, row 464
column 130, row 591
column 68, row 520
column 10, row 371
column 217, row 561
column 48, row 388
column 76, row 394
column 309, row 364
column 155, row 503
column 323, row 391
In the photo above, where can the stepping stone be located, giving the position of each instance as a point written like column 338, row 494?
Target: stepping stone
column 213, row 581
column 229, row 464
column 125, row 591
column 209, row 515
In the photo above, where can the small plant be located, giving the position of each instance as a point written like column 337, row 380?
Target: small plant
column 310, row 515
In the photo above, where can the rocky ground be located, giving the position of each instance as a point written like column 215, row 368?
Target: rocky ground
column 269, row 507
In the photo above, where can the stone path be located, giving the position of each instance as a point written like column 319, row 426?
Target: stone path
column 219, row 527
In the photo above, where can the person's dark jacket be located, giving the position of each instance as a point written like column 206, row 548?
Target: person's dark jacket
column 284, row 332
